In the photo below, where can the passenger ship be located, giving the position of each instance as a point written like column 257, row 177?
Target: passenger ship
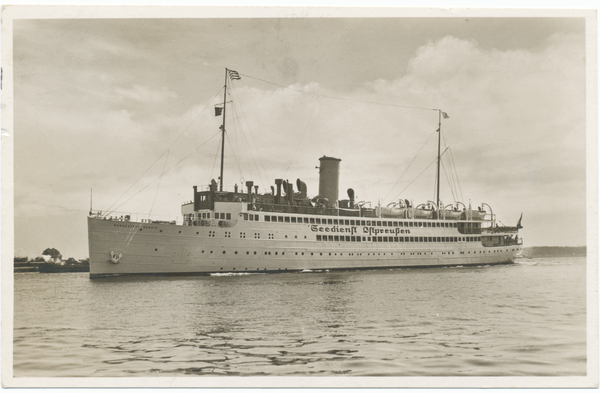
column 286, row 230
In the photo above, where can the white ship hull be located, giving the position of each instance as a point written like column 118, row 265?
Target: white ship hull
column 125, row 247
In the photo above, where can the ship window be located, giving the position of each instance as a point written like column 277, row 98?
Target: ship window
column 455, row 239
column 395, row 223
column 268, row 218
column 336, row 238
column 368, row 223
column 401, row 239
column 251, row 217
column 318, row 238
column 385, row 239
column 358, row 238
column 256, row 217
column 347, row 238
column 346, row 222
column 342, row 238
column 228, row 217
column 312, row 220
column 306, row 220
column 318, row 220
column 287, row 219
column 352, row 222
column 279, row 219
column 329, row 221
column 208, row 215
column 335, row 222
column 362, row 222
column 245, row 216
column 352, row 238
column 294, row 219
column 378, row 223
column 369, row 239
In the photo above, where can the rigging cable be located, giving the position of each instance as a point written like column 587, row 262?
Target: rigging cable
column 339, row 98
column 409, row 164
column 178, row 162
column 457, row 181
column 302, row 136
column 254, row 144
column 159, row 181
column 109, row 211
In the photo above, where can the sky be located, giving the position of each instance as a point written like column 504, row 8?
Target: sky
column 104, row 107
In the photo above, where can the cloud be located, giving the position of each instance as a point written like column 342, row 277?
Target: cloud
column 146, row 94
column 516, row 132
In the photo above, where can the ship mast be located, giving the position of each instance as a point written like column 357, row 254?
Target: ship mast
column 233, row 75
column 223, row 132
column 439, row 130
column 437, row 201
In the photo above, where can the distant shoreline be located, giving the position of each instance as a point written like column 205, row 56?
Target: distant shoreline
column 551, row 251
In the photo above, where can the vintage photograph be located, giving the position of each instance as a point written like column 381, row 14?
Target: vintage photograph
column 218, row 196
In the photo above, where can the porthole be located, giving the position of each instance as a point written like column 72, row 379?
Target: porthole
column 283, row 253
column 197, row 233
column 156, row 249
column 275, row 252
column 236, row 253
column 223, row 252
column 211, row 251
column 296, row 253
column 254, row 252
column 202, row 251
column 179, row 231
column 247, row 252
column 221, row 268
column 161, row 230
column 312, row 253
column 265, row 253
column 140, row 229
column 233, row 268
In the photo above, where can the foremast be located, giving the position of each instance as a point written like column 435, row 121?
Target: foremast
column 229, row 74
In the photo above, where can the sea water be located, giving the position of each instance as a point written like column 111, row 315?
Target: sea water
column 507, row 320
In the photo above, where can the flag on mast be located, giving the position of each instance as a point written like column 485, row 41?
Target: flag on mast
column 218, row 110
column 445, row 115
column 234, row 75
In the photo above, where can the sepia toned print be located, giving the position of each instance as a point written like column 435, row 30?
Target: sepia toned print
column 333, row 198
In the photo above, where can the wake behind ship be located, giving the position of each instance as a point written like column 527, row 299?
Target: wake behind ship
column 287, row 230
